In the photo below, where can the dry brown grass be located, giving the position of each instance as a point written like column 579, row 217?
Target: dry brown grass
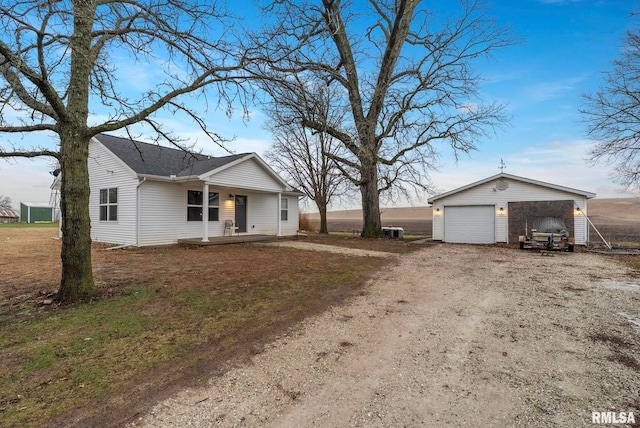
column 167, row 317
column 305, row 223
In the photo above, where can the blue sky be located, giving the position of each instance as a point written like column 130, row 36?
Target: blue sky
column 566, row 45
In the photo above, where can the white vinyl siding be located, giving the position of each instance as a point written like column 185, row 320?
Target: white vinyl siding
column 501, row 228
column 580, row 224
column 163, row 214
column 291, row 226
column 517, row 191
column 248, row 175
column 469, row 224
column 106, row 171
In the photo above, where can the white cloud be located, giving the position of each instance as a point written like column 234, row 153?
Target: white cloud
column 549, row 90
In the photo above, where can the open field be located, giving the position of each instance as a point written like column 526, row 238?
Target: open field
column 618, row 220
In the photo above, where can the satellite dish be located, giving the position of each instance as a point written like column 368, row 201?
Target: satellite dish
column 502, row 185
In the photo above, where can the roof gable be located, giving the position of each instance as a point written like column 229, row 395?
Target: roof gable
column 587, row 195
column 152, row 159
column 251, row 156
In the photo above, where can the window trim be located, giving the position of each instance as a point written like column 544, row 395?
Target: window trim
column 110, row 207
column 284, row 208
column 216, row 207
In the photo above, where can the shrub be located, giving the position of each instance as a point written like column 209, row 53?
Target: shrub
column 305, row 222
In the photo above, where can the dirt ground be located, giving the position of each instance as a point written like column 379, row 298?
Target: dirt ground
column 448, row 336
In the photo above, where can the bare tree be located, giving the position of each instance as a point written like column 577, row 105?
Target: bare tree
column 304, row 156
column 5, row 202
column 59, row 60
column 404, row 75
column 300, row 156
column 612, row 115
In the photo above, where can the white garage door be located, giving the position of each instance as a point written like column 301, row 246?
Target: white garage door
column 470, row 224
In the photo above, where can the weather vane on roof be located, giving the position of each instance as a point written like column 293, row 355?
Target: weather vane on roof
column 502, row 166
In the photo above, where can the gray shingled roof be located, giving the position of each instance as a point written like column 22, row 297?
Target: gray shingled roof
column 152, row 159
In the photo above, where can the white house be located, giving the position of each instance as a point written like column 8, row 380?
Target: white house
column 502, row 207
column 146, row 194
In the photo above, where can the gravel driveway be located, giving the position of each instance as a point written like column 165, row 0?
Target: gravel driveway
column 447, row 336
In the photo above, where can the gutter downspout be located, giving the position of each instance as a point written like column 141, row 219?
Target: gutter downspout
column 138, row 211
column 279, row 214
column 205, row 212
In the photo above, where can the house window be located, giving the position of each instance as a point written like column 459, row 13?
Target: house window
column 109, row 204
column 194, row 205
column 284, row 209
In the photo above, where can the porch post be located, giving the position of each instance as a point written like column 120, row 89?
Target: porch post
column 279, row 217
column 205, row 212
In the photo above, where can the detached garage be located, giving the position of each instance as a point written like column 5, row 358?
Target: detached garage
column 504, row 206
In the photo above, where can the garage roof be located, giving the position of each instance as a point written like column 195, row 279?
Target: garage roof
column 587, row 195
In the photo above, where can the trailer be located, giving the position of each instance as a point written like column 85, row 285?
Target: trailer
column 547, row 233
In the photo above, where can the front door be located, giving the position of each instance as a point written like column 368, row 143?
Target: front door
column 241, row 213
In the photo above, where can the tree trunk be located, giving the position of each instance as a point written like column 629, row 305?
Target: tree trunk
column 323, row 218
column 77, row 276
column 371, row 224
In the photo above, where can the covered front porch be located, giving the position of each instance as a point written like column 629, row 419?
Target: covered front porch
column 223, row 240
column 240, row 210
